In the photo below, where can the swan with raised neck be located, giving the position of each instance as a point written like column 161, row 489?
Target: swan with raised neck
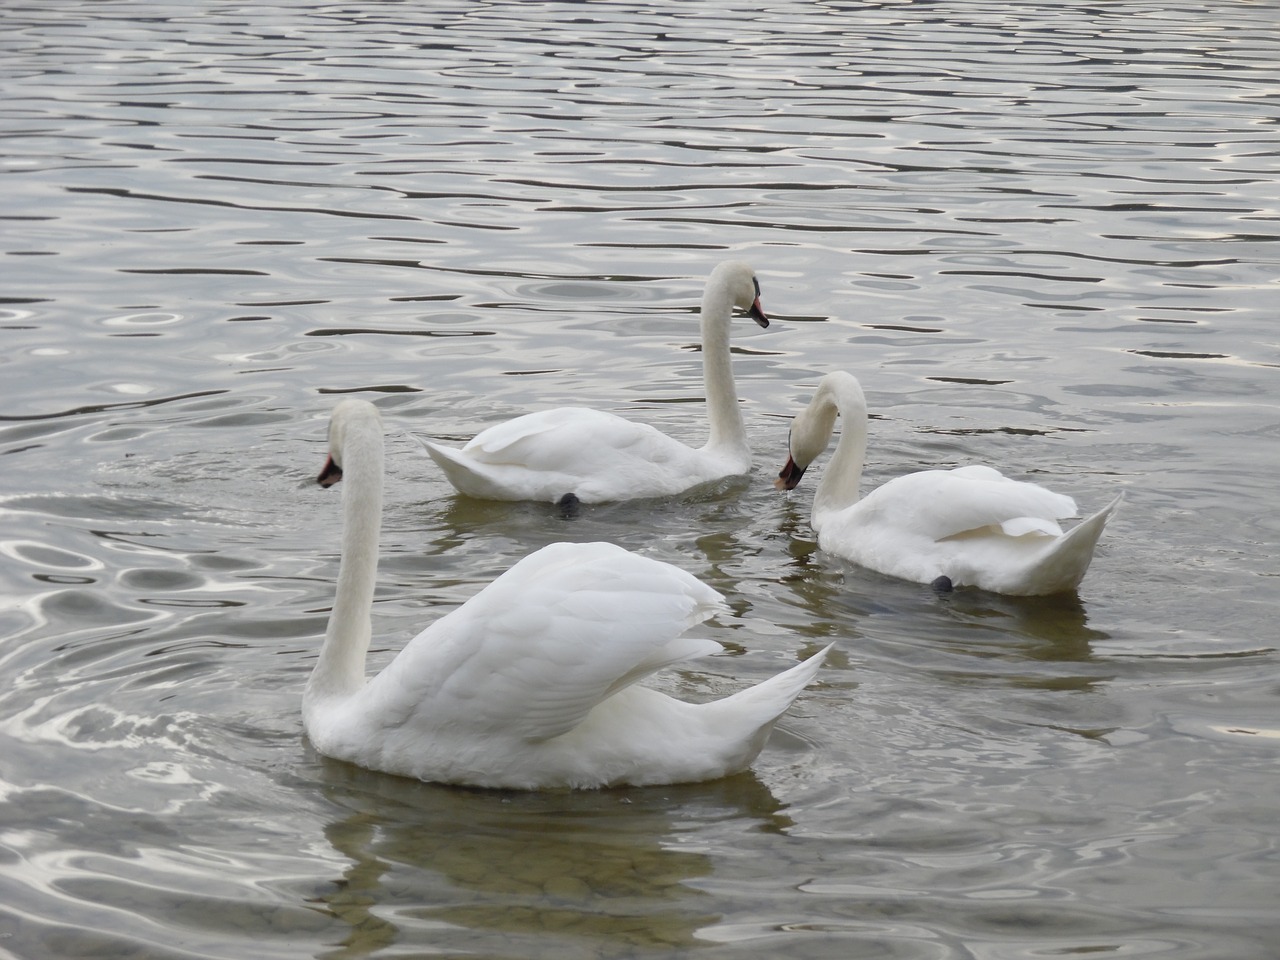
column 592, row 456
column 532, row 683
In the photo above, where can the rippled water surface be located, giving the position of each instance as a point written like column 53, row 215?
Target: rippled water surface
column 1042, row 235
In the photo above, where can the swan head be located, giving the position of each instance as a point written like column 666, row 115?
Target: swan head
column 802, row 450
column 810, row 433
column 738, row 280
column 812, row 428
column 349, row 415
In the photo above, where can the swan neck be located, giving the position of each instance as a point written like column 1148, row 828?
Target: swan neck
column 341, row 666
column 842, row 478
column 728, row 434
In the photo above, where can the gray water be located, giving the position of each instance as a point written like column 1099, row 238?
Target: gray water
column 1042, row 235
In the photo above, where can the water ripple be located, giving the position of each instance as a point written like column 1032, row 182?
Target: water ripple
column 1042, row 236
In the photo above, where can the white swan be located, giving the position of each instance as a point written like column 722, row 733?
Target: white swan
column 531, row 683
column 599, row 457
column 971, row 526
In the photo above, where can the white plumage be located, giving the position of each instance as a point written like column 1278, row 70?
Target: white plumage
column 972, row 525
column 531, row 683
column 597, row 456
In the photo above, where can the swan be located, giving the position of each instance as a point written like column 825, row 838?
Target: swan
column 531, row 684
column 598, row 457
column 971, row 526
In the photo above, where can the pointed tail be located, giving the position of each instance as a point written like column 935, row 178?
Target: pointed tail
column 464, row 474
column 444, row 456
column 748, row 716
column 1063, row 567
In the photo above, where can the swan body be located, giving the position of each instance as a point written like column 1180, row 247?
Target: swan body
column 598, row 457
column 971, row 525
column 531, row 684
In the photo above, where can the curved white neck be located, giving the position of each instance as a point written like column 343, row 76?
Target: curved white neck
column 728, row 435
column 842, row 477
column 340, row 668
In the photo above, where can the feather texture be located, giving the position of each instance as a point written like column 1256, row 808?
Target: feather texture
column 599, row 457
column 534, row 682
column 971, row 525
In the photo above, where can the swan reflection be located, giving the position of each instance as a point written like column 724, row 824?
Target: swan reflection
column 543, row 873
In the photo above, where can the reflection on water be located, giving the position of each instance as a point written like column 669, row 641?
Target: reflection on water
column 605, row 872
column 1046, row 628
column 1043, row 238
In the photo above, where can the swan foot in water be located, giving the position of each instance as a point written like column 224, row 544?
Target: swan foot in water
column 569, row 506
column 942, row 584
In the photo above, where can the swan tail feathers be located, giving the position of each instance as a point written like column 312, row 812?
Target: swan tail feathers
column 773, row 696
column 1062, row 568
column 474, row 476
column 752, row 712
column 463, row 473
column 447, row 458
column 1084, row 535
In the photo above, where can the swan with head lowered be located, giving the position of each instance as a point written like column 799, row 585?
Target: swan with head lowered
column 532, row 683
column 971, row 526
column 596, row 456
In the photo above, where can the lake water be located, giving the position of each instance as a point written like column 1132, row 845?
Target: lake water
column 1044, row 237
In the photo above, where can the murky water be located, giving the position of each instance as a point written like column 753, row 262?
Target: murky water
column 1042, row 235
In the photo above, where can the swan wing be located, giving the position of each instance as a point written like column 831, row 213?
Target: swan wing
column 513, row 441
column 550, row 439
column 942, row 504
column 593, row 454
column 539, row 647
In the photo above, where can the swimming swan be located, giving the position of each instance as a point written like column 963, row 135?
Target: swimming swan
column 599, row 457
column 531, row 684
column 971, row 526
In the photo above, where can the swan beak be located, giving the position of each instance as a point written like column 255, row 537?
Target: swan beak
column 757, row 313
column 789, row 476
column 330, row 475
